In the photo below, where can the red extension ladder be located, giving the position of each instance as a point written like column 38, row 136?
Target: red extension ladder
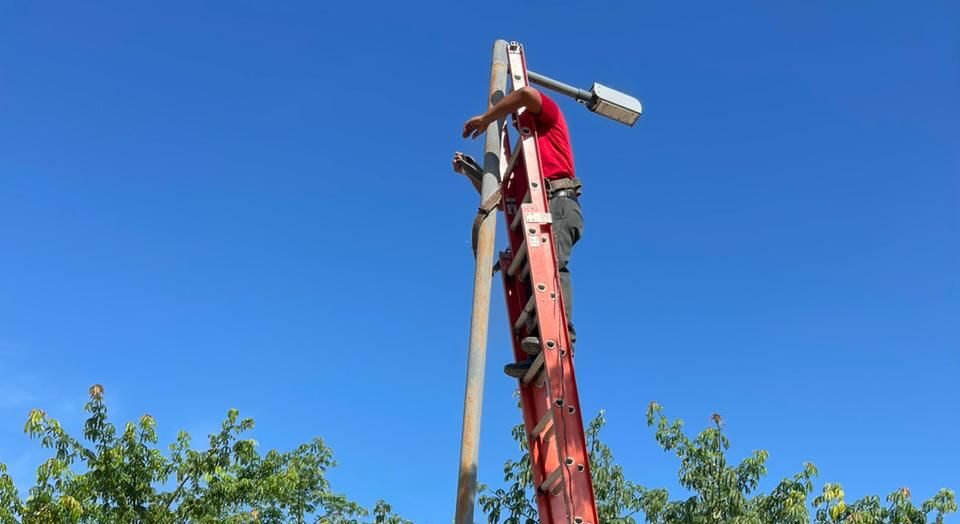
column 551, row 406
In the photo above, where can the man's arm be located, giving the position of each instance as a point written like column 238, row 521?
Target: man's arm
column 527, row 97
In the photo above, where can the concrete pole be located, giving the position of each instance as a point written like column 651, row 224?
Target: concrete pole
column 479, row 316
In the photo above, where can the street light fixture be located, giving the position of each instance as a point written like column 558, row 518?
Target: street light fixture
column 600, row 99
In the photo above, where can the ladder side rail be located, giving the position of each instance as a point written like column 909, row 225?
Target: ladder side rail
column 538, row 241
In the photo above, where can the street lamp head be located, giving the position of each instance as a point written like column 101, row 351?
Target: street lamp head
column 600, row 99
column 615, row 105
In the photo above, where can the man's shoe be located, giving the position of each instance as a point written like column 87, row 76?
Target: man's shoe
column 518, row 369
column 530, row 346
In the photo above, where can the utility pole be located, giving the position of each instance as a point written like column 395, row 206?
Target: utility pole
column 479, row 316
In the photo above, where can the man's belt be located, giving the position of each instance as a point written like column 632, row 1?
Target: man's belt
column 564, row 193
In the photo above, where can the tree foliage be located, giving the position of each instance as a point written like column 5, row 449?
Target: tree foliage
column 721, row 491
column 120, row 476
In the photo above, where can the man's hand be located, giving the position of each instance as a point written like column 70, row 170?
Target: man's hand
column 527, row 97
column 475, row 126
column 468, row 167
column 458, row 162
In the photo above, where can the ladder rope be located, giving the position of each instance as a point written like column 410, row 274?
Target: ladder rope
column 493, row 202
column 483, row 211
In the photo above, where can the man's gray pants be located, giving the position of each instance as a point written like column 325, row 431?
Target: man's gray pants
column 567, row 228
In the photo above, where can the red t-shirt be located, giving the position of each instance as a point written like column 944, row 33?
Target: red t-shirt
column 556, row 156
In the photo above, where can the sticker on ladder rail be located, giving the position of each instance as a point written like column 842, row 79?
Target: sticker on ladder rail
column 538, row 218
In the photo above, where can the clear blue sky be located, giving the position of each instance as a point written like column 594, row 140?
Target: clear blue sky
column 237, row 204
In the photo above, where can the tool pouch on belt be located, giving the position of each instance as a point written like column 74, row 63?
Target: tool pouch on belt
column 558, row 184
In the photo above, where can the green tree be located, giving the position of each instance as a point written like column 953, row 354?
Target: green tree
column 122, row 477
column 721, row 491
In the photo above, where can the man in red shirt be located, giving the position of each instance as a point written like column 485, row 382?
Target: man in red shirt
column 556, row 159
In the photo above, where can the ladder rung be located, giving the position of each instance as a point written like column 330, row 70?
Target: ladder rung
column 513, row 159
column 540, row 381
column 538, row 429
column 516, row 218
column 551, row 480
column 526, row 313
column 533, row 327
column 534, row 370
column 524, row 273
column 518, row 259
